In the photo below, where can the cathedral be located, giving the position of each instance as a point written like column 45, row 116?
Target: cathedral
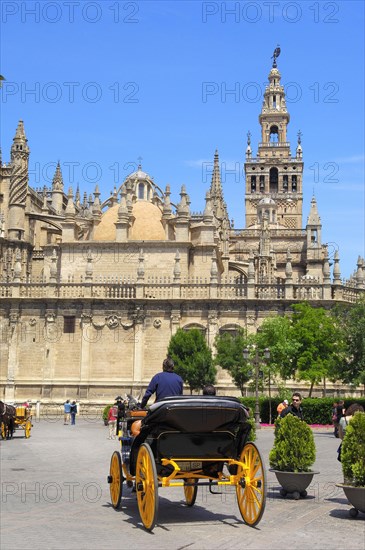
column 93, row 288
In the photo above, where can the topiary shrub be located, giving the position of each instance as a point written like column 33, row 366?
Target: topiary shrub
column 252, row 436
column 294, row 449
column 353, row 451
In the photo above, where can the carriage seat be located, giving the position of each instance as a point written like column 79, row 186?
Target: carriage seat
column 196, row 414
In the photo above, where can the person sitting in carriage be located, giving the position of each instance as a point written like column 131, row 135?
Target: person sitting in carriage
column 164, row 384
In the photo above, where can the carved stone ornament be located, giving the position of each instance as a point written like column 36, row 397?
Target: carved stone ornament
column 157, row 323
column 32, row 321
column 13, row 316
column 112, row 321
column 127, row 325
column 50, row 317
column 213, row 317
column 86, row 318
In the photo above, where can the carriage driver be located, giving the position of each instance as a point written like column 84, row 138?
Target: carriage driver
column 165, row 384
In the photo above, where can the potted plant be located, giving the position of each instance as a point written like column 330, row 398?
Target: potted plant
column 292, row 455
column 353, row 463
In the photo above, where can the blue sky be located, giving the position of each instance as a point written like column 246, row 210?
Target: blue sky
column 100, row 84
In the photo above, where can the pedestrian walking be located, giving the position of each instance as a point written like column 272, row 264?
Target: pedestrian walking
column 66, row 411
column 73, row 413
column 112, row 421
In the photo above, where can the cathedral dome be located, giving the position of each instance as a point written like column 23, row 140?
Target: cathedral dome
column 147, row 225
column 139, row 175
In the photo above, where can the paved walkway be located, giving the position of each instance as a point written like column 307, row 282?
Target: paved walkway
column 54, row 495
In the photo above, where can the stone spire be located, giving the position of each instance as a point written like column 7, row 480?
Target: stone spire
column 70, row 208
column 360, row 276
column 314, row 230
column 122, row 224
column 77, row 196
column 96, row 209
column 167, row 210
column 248, row 148
column 57, row 189
column 216, row 192
column 183, row 207
column 299, row 146
column 336, row 269
column 208, row 212
column 313, row 218
column 18, row 187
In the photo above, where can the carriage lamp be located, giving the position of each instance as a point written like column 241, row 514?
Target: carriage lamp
column 256, row 360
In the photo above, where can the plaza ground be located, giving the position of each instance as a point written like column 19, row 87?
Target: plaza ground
column 54, row 495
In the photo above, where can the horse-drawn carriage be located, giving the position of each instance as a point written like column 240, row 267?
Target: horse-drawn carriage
column 188, row 441
column 23, row 419
column 13, row 418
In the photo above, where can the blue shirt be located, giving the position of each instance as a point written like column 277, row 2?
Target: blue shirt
column 67, row 407
column 164, row 384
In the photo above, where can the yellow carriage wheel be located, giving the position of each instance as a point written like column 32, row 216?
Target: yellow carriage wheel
column 251, row 485
column 147, row 486
column 3, row 430
column 190, row 491
column 27, row 428
column 115, row 479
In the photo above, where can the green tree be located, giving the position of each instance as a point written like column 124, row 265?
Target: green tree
column 277, row 334
column 352, row 321
column 321, row 348
column 193, row 358
column 230, row 357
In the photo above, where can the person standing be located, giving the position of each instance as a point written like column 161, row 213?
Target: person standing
column 164, row 384
column 112, row 421
column 295, row 407
column 345, row 418
column 66, row 411
column 282, row 406
column 340, row 409
column 73, row 413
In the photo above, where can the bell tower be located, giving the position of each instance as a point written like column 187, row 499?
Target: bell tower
column 274, row 173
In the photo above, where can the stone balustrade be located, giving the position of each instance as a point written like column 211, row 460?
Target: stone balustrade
column 195, row 288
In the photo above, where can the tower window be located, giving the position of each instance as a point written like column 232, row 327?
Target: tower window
column 262, row 184
column 274, row 134
column 294, row 183
column 253, row 184
column 274, row 101
column 285, row 182
column 274, row 179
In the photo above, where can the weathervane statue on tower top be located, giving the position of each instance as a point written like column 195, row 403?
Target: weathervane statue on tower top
column 275, row 55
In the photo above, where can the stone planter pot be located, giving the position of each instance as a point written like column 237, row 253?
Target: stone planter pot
column 355, row 496
column 294, row 483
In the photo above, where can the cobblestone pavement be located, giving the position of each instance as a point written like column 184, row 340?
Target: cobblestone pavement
column 54, row 495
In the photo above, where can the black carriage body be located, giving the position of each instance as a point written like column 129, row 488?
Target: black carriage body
column 193, row 427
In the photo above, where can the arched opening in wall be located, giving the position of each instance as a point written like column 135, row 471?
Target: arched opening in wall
column 141, row 191
column 274, row 180
column 196, row 326
column 148, row 192
column 274, row 134
column 232, row 329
